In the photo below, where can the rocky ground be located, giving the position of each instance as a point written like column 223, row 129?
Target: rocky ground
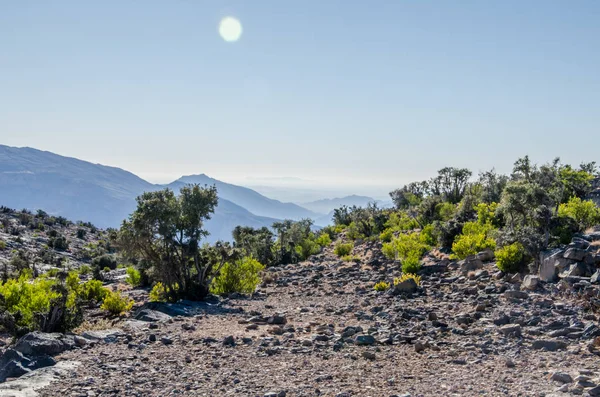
column 320, row 329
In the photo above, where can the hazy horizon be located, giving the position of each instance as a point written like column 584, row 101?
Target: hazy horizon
column 350, row 96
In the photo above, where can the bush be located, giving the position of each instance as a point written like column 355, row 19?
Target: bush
column 238, row 276
column 351, row 258
column 134, row 278
column 307, row 247
column 387, row 235
column 85, row 269
column 2, row 245
column 158, row 293
column 27, row 297
column 429, row 236
column 405, row 246
column 406, row 276
column 116, row 304
column 475, row 237
column 59, row 243
column 105, row 261
column 510, row 258
column 343, row 249
column 93, row 290
column 584, row 212
column 381, row 286
column 81, row 234
column 411, row 264
column 324, row 239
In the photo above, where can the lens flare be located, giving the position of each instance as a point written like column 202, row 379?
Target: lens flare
column 230, row 29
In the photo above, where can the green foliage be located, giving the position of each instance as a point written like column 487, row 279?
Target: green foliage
column 445, row 211
column 353, row 233
column 105, row 261
column 257, row 243
column 510, row 257
column 308, row 247
column 429, row 235
column 93, row 290
column 475, row 237
column 106, row 269
column 351, row 258
column 381, row 286
column 158, row 293
column 577, row 183
column 387, row 235
column 343, row 249
column 407, row 276
column 115, row 303
column 486, row 213
column 81, row 233
column 411, row 264
column 59, row 243
column 239, row 276
column 134, row 278
column 404, row 246
column 85, row 269
column 27, row 297
column 584, row 212
column 2, row 245
column 295, row 241
column 401, row 221
column 324, row 239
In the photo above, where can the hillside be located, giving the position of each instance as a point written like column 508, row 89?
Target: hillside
column 104, row 196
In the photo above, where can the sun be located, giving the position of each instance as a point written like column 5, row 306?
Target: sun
column 230, row 29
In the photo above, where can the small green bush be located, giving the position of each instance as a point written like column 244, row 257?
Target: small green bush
column 2, row 245
column 27, row 297
column 475, row 237
column 411, row 264
column 105, row 261
column 93, row 290
column 85, row 269
column 307, row 247
column 343, row 249
column 158, row 293
column 382, row 286
column 584, row 212
column 387, row 235
column 239, row 276
column 115, row 303
column 134, row 278
column 106, row 269
column 510, row 258
column 324, row 239
column 351, row 258
column 59, row 243
column 406, row 245
column 81, row 234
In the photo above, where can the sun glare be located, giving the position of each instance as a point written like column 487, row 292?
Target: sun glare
column 230, row 29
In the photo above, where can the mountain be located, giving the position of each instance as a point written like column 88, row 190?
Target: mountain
column 251, row 200
column 79, row 190
column 325, row 206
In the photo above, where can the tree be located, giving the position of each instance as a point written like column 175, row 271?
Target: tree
column 492, row 185
column 165, row 231
column 255, row 243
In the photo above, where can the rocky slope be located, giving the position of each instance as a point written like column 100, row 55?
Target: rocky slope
column 320, row 329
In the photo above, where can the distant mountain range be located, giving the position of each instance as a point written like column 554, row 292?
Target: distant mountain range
column 103, row 195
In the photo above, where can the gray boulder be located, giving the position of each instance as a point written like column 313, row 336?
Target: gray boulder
column 552, row 262
column 470, row 263
column 44, row 344
column 576, row 254
column 530, row 282
column 153, row 316
column 578, row 269
column 14, row 364
column 407, row 286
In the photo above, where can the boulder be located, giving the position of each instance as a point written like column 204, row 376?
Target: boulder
column 470, row 263
column 14, row 364
column 362, row 340
column 407, row 286
column 576, row 254
column 595, row 279
column 578, row 269
column 150, row 315
column 552, row 262
column 486, row 255
column 548, row 345
column 44, row 344
column 105, row 335
column 530, row 282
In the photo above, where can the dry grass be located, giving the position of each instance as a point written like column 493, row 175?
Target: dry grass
column 97, row 325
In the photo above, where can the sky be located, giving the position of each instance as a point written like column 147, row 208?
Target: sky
column 353, row 94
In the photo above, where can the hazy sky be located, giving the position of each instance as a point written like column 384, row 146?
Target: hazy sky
column 342, row 92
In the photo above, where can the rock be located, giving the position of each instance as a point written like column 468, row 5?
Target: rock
column 576, row 254
column 551, row 263
column 595, row 279
column 368, row 355
column 486, row 255
column 561, row 377
column 106, row 335
column 166, row 340
column 549, row 345
column 364, row 340
column 14, row 364
column 595, row 392
column 578, row 269
column 530, row 282
column 514, row 294
column 419, row 346
column 28, row 384
column 512, row 330
column 277, row 320
column 470, row 263
column 44, row 344
column 229, row 341
column 151, row 316
column 407, row 286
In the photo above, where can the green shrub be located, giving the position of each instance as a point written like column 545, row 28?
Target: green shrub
column 105, row 261
column 353, row 233
column 85, row 269
column 584, row 212
column 59, row 243
column 445, row 211
column 509, row 258
column 405, row 246
column 106, row 269
column 2, row 245
column 411, row 264
column 401, row 221
column 93, row 290
column 81, row 234
column 324, row 239
column 238, row 276
column 115, row 303
column 134, row 278
column 158, row 293
column 429, row 236
column 307, row 247
column 27, row 297
column 382, row 286
column 343, row 249
column 475, row 237
column 52, row 272
column 387, row 235
column 351, row 258
column 407, row 276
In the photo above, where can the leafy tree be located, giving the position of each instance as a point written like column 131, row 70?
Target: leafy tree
column 492, row 185
column 166, row 230
column 256, row 243
column 584, row 212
